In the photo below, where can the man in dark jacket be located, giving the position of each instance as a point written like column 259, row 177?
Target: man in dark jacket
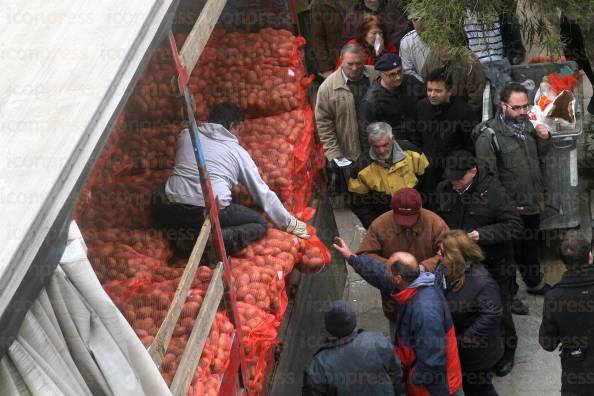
column 391, row 98
column 352, row 362
column 471, row 199
column 327, row 18
column 567, row 318
column 513, row 150
column 425, row 335
column 444, row 124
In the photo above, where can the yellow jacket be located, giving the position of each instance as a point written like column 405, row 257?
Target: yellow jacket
column 376, row 177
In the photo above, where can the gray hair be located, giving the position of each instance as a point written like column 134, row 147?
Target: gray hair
column 352, row 48
column 377, row 130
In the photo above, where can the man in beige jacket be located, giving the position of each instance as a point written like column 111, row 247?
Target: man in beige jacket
column 336, row 105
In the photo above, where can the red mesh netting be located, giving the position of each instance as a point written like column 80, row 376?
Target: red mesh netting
column 282, row 147
column 563, row 83
column 259, row 332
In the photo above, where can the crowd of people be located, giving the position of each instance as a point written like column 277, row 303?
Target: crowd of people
column 451, row 206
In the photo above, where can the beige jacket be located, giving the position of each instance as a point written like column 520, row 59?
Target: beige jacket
column 336, row 117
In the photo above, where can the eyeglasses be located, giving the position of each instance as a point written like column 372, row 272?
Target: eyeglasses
column 393, row 75
column 518, row 107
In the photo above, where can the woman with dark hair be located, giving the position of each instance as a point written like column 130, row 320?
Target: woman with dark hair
column 475, row 305
column 391, row 15
column 371, row 35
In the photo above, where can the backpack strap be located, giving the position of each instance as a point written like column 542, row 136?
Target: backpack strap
column 492, row 139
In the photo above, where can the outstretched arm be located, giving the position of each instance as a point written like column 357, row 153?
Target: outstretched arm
column 374, row 272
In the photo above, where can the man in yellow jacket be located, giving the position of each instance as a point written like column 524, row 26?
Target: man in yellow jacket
column 391, row 168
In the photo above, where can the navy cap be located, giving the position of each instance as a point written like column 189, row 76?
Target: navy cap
column 340, row 318
column 387, row 61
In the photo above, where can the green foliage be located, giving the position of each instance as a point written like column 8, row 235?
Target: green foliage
column 539, row 19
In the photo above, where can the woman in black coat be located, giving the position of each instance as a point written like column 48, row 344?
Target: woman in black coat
column 475, row 305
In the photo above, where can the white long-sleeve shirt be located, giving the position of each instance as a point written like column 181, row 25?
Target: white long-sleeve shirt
column 228, row 163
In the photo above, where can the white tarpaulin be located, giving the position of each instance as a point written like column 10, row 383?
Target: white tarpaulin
column 74, row 341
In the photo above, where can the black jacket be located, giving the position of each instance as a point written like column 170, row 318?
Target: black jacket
column 440, row 130
column 364, row 363
column 397, row 108
column 487, row 208
column 567, row 320
column 476, row 311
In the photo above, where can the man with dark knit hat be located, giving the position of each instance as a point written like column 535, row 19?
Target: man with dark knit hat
column 391, row 98
column 352, row 361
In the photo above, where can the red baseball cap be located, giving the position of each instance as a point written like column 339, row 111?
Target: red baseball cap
column 406, row 204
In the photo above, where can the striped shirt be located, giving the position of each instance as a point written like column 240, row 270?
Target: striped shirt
column 413, row 52
column 484, row 38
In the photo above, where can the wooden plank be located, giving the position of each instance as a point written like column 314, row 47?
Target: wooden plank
column 196, row 41
column 189, row 360
column 159, row 346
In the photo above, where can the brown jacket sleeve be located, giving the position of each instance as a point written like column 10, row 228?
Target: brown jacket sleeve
column 371, row 246
column 438, row 231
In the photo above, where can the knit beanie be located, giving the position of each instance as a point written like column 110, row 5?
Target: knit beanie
column 340, row 318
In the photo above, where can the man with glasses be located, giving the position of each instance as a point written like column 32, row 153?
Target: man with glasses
column 391, row 98
column 513, row 150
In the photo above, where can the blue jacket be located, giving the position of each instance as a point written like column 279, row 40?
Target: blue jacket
column 363, row 363
column 425, row 335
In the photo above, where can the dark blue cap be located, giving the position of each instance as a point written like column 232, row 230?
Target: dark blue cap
column 340, row 318
column 387, row 61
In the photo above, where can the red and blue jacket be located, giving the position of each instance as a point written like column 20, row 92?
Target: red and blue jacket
column 425, row 336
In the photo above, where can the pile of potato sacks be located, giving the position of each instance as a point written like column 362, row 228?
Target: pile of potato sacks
column 263, row 73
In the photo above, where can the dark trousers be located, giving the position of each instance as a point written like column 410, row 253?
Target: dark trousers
column 478, row 383
column 526, row 251
column 508, row 329
column 239, row 225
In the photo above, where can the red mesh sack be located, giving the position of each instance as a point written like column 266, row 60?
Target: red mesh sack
column 280, row 146
column 315, row 255
column 259, row 336
column 152, row 147
column 154, row 98
column 269, row 46
column 125, row 203
column 260, row 90
column 116, row 261
column 213, row 361
column 150, row 242
column 109, row 164
column 144, row 304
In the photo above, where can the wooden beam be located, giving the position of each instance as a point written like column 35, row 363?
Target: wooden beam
column 196, row 41
column 159, row 346
column 191, row 355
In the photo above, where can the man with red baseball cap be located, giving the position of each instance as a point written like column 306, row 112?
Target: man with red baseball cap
column 406, row 228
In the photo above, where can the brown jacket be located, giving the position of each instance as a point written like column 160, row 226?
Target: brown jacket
column 336, row 117
column 327, row 17
column 468, row 78
column 385, row 237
